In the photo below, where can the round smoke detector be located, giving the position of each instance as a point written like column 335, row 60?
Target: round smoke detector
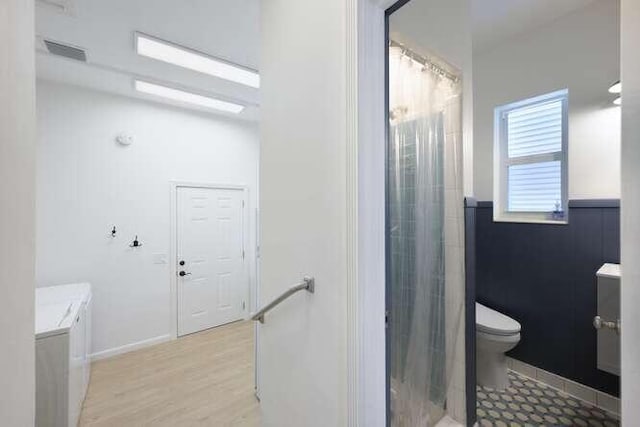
column 124, row 139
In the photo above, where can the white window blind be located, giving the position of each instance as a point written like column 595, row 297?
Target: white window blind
column 535, row 130
column 532, row 143
column 535, row 187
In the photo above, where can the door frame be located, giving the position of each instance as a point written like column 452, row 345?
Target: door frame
column 173, row 249
column 366, row 157
column 366, row 176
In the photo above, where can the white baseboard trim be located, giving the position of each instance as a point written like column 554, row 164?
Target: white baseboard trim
column 582, row 392
column 104, row 354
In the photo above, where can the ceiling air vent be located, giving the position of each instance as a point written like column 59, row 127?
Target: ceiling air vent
column 65, row 50
column 62, row 6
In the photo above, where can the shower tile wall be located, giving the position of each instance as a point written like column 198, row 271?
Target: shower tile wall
column 454, row 261
column 402, row 242
column 404, row 295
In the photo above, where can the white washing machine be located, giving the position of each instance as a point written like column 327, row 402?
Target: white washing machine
column 63, row 346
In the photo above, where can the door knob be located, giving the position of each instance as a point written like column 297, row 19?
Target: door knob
column 181, row 262
column 183, row 273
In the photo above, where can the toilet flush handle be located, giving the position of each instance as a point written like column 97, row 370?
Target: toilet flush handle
column 599, row 323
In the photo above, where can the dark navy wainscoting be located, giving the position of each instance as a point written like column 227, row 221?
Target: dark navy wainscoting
column 543, row 275
column 470, row 205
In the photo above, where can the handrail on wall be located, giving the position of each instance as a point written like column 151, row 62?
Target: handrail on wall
column 308, row 284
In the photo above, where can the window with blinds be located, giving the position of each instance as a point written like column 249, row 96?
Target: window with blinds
column 531, row 174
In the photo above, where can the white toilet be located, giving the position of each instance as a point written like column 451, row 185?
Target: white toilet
column 495, row 335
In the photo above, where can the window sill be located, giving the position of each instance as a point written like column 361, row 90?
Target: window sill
column 528, row 220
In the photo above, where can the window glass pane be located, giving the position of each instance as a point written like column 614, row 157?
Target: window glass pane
column 535, row 187
column 536, row 129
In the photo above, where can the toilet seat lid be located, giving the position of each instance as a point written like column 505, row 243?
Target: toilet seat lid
column 493, row 322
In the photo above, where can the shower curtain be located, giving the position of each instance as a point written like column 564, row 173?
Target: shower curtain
column 425, row 220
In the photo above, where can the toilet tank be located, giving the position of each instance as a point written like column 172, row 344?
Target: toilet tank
column 608, row 277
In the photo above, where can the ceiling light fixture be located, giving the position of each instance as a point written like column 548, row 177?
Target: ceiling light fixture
column 617, row 101
column 616, row 87
column 187, row 97
column 193, row 60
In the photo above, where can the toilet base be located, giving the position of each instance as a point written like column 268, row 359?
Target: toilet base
column 492, row 370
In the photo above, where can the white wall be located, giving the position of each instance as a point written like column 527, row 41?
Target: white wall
column 630, row 56
column 17, row 199
column 303, row 201
column 372, row 376
column 87, row 183
column 438, row 27
column 580, row 52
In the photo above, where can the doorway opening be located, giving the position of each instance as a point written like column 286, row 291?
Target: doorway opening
column 147, row 175
column 424, row 225
column 539, row 226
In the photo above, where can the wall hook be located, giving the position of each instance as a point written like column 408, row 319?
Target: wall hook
column 113, row 232
column 135, row 243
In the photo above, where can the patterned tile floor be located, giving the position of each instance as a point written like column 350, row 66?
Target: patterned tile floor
column 531, row 403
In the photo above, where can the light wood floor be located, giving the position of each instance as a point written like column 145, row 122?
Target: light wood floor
column 204, row 379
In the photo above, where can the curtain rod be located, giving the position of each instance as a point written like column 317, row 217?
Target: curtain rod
column 425, row 62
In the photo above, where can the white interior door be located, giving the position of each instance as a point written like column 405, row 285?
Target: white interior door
column 212, row 281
